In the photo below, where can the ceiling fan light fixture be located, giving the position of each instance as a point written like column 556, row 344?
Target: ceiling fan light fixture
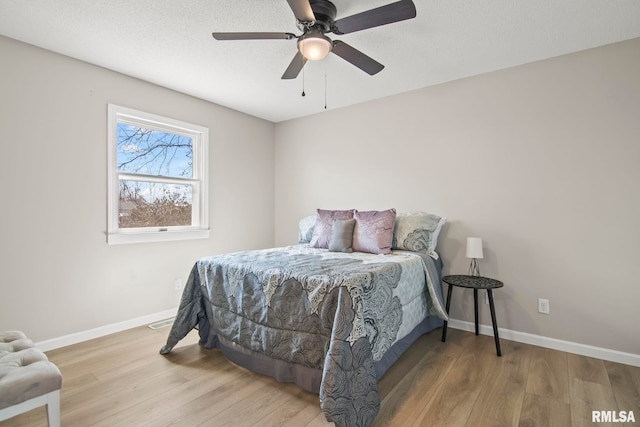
column 314, row 46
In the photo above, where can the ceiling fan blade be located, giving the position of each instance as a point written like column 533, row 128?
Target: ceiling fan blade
column 294, row 68
column 302, row 10
column 394, row 12
column 253, row 36
column 357, row 58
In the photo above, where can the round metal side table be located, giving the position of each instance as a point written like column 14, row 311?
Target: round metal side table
column 475, row 283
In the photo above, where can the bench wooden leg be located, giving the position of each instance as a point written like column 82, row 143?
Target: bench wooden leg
column 51, row 400
column 53, row 408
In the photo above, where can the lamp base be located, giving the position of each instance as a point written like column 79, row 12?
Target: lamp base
column 474, row 268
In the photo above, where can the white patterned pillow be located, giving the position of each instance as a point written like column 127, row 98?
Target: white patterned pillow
column 417, row 231
column 305, row 228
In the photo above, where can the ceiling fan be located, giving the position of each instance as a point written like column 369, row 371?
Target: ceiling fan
column 316, row 18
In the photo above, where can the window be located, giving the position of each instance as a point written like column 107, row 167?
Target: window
column 157, row 178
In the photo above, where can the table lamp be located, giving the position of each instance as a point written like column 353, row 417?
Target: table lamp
column 474, row 251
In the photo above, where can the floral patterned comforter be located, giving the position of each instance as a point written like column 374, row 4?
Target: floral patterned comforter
column 331, row 311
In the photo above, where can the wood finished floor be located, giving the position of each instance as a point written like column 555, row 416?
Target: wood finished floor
column 121, row 380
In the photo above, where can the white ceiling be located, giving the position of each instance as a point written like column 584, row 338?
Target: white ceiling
column 168, row 42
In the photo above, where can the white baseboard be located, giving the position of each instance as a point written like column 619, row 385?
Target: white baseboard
column 552, row 343
column 104, row 330
column 523, row 337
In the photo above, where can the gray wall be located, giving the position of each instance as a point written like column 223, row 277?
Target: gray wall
column 58, row 276
column 541, row 161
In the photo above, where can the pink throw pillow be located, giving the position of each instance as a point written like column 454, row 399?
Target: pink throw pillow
column 373, row 232
column 322, row 230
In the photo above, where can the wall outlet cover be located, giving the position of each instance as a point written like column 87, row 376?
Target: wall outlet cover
column 543, row 306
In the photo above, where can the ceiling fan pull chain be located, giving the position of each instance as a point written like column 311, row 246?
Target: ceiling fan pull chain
column 325, row 90
column 303, row 94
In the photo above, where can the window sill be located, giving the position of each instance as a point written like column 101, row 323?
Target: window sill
column 155, row 236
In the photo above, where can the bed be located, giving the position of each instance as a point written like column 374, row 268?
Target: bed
column 331, row 321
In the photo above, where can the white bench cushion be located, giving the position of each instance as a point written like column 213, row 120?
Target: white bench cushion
column 25, row 371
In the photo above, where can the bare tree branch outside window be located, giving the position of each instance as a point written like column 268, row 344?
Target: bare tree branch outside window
column 153, row 153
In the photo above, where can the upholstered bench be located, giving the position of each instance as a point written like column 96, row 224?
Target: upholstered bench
column 27, row 379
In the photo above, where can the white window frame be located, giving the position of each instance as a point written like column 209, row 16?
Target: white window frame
column 199, row 180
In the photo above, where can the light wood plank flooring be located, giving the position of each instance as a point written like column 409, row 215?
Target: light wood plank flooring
column 121, row 380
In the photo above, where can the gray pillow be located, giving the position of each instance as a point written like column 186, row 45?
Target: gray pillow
column 342, row 235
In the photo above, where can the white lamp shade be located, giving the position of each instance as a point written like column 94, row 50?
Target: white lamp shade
column 474, row 247
column 315, row 46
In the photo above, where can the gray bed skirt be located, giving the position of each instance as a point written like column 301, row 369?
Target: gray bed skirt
column 304, row 377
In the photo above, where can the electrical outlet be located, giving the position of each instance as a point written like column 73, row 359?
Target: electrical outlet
column 177, row 283
column 543, row 306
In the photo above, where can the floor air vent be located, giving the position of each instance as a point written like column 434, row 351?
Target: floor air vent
column 162, row 323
